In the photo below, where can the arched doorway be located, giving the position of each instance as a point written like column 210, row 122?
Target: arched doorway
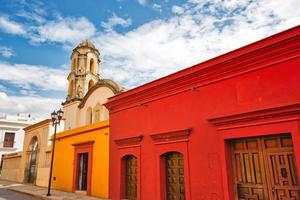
column 32, row 162
column 130, row 177
column 173, row 176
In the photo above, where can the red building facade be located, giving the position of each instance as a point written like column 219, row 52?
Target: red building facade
column 227, row 128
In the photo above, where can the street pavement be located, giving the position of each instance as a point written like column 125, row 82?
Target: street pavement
column 6, row 194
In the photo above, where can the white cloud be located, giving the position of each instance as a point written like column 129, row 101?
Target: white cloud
column 114, row 21
column 9, row 26
column 37, row 106
column 142, row 2
column 31, row 76
column 6, row 52
column 157, row 7
column 63, row 30
column 31, row 16
column 67, row 31
column 201, row 30
column 177, row 9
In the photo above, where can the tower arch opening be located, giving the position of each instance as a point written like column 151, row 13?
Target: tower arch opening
column 92, row 66
column 73, row 66
column 71, row 88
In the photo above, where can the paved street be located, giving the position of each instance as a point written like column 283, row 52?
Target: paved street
column 11, row 195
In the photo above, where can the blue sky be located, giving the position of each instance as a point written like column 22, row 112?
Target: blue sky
column 139, row 40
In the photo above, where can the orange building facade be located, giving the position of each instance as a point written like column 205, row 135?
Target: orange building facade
column 90, row 145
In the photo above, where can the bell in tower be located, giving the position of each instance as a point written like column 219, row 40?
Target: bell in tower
column 84, row 70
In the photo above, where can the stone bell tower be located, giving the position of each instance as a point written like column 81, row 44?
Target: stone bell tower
column 84, row 73
column 84, row 70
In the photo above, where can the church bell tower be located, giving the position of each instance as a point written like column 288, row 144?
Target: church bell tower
column 84, row 74
column 84, row 70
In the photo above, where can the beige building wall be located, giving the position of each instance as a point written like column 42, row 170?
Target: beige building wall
column 11, row 169
column 43, row 132
column 71, row 115
column 95, row 103
column 16, row 167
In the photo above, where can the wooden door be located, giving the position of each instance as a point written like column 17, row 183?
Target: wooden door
column 249, row 172
column 282, row 171
column 175, row 176
column 264, row 168
column 131, row 178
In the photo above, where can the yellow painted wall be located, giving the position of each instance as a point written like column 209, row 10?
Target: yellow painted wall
column 64, row 157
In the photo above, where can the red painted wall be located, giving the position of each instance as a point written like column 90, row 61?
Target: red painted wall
column 216, row 100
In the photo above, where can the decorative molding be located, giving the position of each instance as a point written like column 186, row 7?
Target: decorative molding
column 270, row 115
column 171, row 136
column 129, row 142
column 264, row 53
column 86, row 143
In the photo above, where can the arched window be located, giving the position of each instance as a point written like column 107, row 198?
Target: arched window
column 73, row 64
column 97, row 111
column 89, row 116
column 172, row 174
column 91, row 83
column 92, row 66
column 129, row 176
column 71, row 88
column 32, row 162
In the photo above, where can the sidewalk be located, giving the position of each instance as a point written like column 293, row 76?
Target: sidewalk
column 40, row 192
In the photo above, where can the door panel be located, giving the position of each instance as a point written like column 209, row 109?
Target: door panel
column 131, row 178
column 250, row 182
column 175, row 176
column 282, row 169
column 265, row 168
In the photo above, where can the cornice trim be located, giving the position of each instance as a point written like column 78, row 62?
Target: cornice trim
column 86, row 143
column 282, row 113
column 129, row 142
column 171, row 136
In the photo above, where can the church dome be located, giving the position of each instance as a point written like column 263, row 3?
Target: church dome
column 86, row 43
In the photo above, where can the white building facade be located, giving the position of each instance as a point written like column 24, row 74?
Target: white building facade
column 12, row 133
